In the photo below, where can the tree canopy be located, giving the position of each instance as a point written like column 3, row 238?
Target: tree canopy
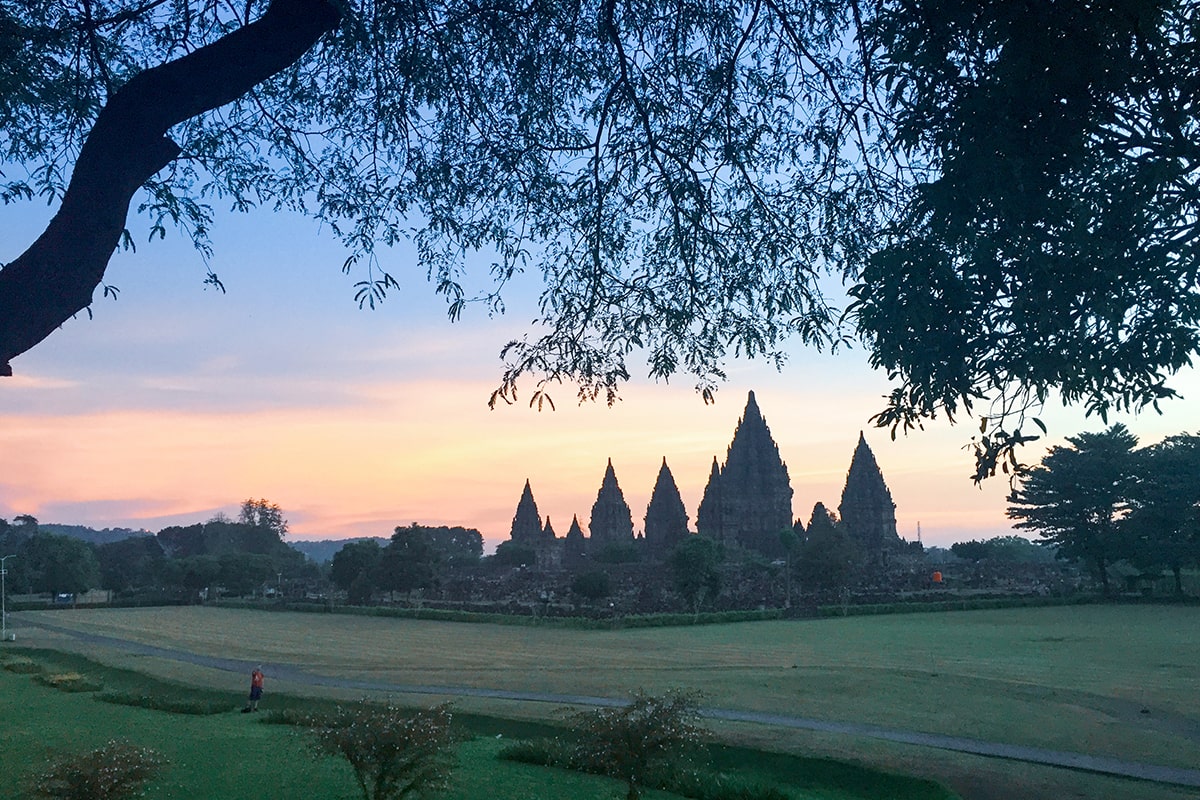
column 686, row 177
column 1077, row 498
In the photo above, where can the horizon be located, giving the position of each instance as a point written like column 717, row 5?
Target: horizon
column 175, row 403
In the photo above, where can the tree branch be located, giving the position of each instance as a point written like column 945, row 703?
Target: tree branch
column 55, row 278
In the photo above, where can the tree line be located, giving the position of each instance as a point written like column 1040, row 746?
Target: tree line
column 1101, row 499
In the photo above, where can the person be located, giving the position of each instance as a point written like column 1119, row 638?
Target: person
column 256, row 689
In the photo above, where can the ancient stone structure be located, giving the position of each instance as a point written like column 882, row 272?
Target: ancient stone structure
column 748, row 501
column 611, row 523
column 574, row 549
column 527, row 523
column 867, row 510
column 666, row 518
column 708, row 515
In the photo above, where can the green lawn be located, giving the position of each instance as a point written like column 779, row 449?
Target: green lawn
column 230, row 755
column 1109, row 680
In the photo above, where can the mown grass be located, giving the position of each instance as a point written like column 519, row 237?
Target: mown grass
column 1071, row 678
column 230, row 755
column 1111, row 680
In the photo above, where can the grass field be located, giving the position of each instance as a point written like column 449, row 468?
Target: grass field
column 224, row 755
column 1108, row 680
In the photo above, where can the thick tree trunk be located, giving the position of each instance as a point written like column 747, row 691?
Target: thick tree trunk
column 56, row 277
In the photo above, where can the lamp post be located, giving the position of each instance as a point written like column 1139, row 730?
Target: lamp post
column 3, row 600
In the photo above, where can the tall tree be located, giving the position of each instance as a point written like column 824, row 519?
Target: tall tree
column 409, row 562
column 60, row 564
column 696, row 571
column 684, row 175
column 263, row 514
column 1078, row 496
column 130, row 563
column 827, row 555
column 1164, row 524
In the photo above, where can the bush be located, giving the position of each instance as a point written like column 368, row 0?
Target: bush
column 694, row 783
column 69, row 682
column 394, row 753
column 23, row 666
column 116, row 771
column 633, row 743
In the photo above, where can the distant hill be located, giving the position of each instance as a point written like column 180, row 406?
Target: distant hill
column 323, row 550
column 91, row 534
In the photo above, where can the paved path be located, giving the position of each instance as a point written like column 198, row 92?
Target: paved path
column 1035, row 755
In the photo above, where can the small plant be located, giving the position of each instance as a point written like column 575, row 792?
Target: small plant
column 635, row 743
column 22, row 666
column 395, row 753
column 69, row 682
column 116, row 771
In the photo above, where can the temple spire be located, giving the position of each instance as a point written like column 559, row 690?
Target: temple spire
column 754, row 488
column 666, row 518
column 867, row 510
column 611, row 521
column 527, row 522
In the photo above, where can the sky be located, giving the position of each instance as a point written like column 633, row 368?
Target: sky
column 176, row 402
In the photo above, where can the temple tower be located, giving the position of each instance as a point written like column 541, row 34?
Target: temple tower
column 527, row 523
column 867, row 510
column 666, row 518
column 611, row 523
column 574, row 546
column 752, row 495
column 708, row 515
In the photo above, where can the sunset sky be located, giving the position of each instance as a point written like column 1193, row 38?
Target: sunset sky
column 176, row 402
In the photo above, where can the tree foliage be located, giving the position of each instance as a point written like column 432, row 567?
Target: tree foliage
column 826, row 557
column 395, row 753
column 593, row 585
column 408, row 562
column 684, row 176
column 696, row 570
column 263, row 514
column 1078, row 496
column 355, row 561
column 59, row 564
column 632, row 742
column 1164, row 521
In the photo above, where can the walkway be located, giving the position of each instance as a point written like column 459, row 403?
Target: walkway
column 1034, row 755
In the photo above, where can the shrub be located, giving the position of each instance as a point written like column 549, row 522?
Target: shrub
column 634, row 742
column 69, row 682
column 23, row 666
column 115, row 771
column 394, row 753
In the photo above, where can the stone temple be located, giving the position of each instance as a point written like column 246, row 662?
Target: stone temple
column 748, row 501
column 611, row 522
column 747, row 504
column 867, row 510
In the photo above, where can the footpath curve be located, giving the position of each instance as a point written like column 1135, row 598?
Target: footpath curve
column 1035, row 755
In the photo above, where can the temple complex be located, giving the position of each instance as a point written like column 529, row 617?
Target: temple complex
column 748, row 501
column 867, row 510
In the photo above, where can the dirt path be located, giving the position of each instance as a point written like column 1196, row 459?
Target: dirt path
column 1035, row 755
